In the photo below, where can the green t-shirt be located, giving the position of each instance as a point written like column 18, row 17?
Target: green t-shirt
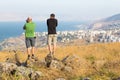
column 29, row 29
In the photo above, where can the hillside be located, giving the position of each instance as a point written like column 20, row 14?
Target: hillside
column 97, row 62
column 111, row 22
column 113, row 18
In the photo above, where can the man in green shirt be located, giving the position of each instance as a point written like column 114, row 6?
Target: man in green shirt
column 29, row 28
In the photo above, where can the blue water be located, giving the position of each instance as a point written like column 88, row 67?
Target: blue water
column 14, row 29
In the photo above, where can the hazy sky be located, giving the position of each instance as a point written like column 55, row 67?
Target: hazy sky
column 65, row 10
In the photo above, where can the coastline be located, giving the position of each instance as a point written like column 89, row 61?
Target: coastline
column 66, row 38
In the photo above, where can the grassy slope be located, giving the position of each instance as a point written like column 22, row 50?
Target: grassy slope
column 94, row 55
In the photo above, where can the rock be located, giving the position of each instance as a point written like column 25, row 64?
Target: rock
column 60, row 79
column 53, row 62
column 7, row 67
column 15, row 59
column 30, row 63
column 48, row 60
column 116, row 78
column 72, row 61
column 87, row 78
column 56, row 64
column 67, row 69
column 36, row 75
column 29, row 73
column 24, row 72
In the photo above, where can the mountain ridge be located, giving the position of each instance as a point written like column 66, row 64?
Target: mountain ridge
column 113, row 18
column 111, row 22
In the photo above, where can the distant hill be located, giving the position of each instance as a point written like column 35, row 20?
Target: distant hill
column 111, row 22
column 113, row 18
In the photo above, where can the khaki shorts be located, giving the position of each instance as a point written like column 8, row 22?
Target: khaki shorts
column 52, row 39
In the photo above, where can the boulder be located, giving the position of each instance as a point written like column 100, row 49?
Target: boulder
column 67, row 69
column 7, row 67
column 48, row 60
column 53, row 62
column 29, row 62
column 15, row 59
column 28, row 72
column 56, row 64
column 72, row 61
column 35, row 75
column 24, row 72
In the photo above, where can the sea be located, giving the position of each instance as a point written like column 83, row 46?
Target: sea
column 15, row 29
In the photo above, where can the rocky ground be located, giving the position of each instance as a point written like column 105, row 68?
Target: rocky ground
column 13, row 69
column 87, row 62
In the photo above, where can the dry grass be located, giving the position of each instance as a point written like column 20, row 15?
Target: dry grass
column 99, row 61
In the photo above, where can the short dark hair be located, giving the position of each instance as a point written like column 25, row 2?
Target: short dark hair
column 52, row 15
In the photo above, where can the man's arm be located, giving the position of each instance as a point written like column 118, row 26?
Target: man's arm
column 24, row 27
column 47, row 22
column 56, row 23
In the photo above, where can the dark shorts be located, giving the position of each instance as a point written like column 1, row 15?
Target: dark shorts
column 30, row 42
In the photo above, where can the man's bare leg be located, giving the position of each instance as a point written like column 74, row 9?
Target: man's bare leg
column 33, row 50
column 50, row 48
column 54, row 48
column 54, row 45
column 33, row 54
column 28, row 52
